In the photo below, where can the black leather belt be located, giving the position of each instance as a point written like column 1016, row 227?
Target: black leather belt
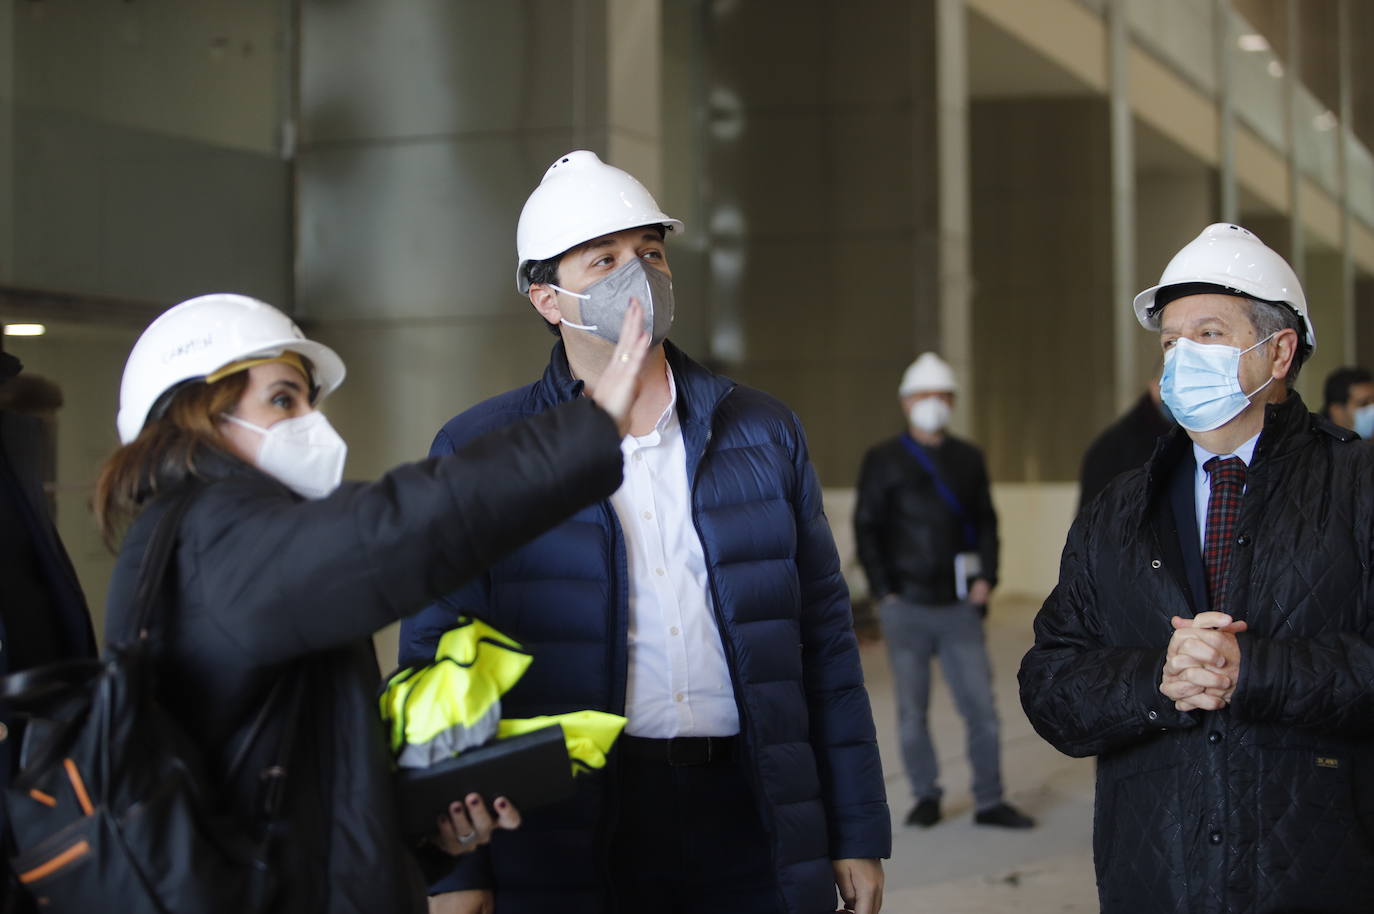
column 680, row 751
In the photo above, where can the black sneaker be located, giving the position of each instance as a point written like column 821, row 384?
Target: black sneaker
column 1003, row 815
column 925, row 813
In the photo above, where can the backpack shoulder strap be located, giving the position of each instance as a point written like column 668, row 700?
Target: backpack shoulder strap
column 151, row 597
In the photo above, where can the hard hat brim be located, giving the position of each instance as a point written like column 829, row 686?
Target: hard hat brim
column 561, row 246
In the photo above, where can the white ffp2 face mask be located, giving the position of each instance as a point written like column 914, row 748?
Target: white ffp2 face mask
column 929, row 414
column 305, row 453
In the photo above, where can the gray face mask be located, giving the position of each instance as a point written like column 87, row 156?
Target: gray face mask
column 605, row 301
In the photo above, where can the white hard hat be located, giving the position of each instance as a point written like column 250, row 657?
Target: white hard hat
column 581, row 198
column 1233, row 257
column 928, row 374
column 199, row 336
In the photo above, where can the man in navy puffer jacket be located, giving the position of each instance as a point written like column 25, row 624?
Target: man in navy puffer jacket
column 703, row 601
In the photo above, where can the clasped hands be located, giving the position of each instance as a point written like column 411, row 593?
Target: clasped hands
column 1202, row 664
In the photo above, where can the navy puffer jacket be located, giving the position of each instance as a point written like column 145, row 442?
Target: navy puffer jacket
column 783, row 613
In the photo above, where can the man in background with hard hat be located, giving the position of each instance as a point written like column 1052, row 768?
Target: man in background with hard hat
column 703, row 601
column 1211, row 639
column 926, row 534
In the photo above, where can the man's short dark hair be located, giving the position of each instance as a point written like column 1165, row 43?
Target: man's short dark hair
column 1338, row 384
column 545, row 272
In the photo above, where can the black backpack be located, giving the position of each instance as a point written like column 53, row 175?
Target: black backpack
column 112, row 808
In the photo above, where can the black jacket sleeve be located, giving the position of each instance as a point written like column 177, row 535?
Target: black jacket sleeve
column 985, row 517
column 870, row 525
column 1082, row 695
column 283, row 577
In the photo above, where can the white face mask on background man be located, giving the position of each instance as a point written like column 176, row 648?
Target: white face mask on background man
column 929, row 414
column 304, row 452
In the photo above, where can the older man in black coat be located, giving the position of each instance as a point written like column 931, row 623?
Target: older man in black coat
column 1211, row 639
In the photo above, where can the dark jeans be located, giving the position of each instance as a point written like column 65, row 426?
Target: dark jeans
column 915, row 635
column 689, row 841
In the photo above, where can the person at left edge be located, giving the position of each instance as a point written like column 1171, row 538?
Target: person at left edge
column 281, row 570
column 43, row 615
column 703, row 600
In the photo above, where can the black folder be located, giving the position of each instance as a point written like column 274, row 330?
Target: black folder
column 530, row 770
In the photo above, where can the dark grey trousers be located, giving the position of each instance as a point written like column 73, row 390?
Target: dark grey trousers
column 915, row 635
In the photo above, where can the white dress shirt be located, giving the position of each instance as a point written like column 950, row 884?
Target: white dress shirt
column 1202, row 481
column 679, row 681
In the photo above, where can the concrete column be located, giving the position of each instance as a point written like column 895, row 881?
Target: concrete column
column 1223, row 49
column 7, row 142
column 1122, row 202
column 952, row 139
column 1346, row 135
column 1291, row 80
column 424, row 125
column 634, row 88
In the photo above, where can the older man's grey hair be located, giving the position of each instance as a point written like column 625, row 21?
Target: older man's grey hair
column 1269, row 318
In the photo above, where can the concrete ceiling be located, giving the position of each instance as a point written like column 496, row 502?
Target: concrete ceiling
column 1001, row 66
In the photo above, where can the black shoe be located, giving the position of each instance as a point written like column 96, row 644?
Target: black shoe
column 1003, row 815
column 925, row 813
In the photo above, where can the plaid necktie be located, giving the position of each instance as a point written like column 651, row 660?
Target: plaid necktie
column 1223, row 510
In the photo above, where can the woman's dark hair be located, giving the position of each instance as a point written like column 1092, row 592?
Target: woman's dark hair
column 166, row 451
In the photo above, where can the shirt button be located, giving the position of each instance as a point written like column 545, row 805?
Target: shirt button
column 638, row 456
column 673, row 630
column 1243, row 539
column 1214, row 837
column 660, row 572
column 679, row 697
column 1156, row 563
column 1152, row 714
column 648, row 515
column 1214, row 737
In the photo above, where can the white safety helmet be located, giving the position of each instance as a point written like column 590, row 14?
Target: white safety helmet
column 1233, row 257
column 928, row 374
column 581, row 198
column 201, row 335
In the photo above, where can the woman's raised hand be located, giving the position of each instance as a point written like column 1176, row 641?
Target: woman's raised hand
column 618, row 385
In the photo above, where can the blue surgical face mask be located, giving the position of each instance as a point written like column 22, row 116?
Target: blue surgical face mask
column 1364, row 421
column 1201, row 384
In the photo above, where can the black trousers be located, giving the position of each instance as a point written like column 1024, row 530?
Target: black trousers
column 689, row 841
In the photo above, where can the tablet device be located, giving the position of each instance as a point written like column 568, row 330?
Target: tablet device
column 531, row 770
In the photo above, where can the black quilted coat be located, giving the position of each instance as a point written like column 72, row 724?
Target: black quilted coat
column 1268, row 805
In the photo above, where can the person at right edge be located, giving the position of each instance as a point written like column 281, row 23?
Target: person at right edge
column 1211, row 638
column 926, row 534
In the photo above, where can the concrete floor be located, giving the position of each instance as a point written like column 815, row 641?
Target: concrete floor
column 956, row 867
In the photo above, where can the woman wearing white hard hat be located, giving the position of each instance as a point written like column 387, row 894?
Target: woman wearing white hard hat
column 282, row 570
